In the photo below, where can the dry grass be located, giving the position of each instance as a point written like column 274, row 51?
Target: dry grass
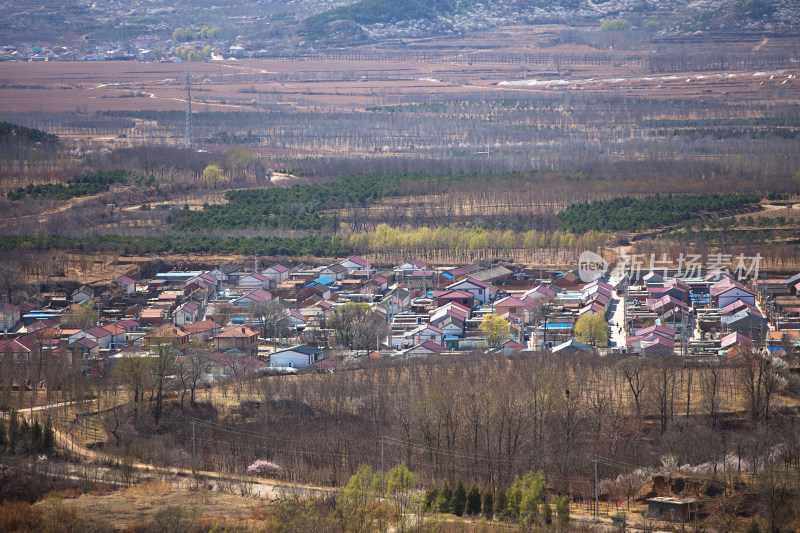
column 154, row 487
column 139, row 504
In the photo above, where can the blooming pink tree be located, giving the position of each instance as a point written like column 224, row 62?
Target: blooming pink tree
column 264, row 468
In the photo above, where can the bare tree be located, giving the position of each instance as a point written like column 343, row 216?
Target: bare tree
column 12, row 279
column 634, row 370
column 271, row 316
column 759, row 375
column 193, row 367
column 710, row 385
column 116, row 417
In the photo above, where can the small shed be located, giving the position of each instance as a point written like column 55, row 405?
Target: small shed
column 672, row 509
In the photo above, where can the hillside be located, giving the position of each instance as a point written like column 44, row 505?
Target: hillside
column 377, row 19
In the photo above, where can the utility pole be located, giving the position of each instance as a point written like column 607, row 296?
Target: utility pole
column 382, row 493
column 684, row 337
column 21, row 362
column 596, row 497
column 194, row 471
column 625, row 307
column 189, row 132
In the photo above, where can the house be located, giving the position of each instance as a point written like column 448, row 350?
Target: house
column 82, row 294
column 84, row 348
column 118, row 334
column 464, row 298
column 480, row 290
column 652, row 279
column 101, row 336
column 749, row 324
column 253, row 297
column 425, row 332
column 156, row 285
column 538, row 294
column 168, row 334
column 422, row 350
column 201, row 331
column 568, row 281
column 592, row 307
column 129, row 324
column 727, row 291
column 276, row 273
column 740, row 305
column 667, row 303
column 152, row 316
column 451, row 324
column 316, row 289
column 336, row 272
column 513, row 305
column 407, row 268
column 127, row 284
column 513, row 346
column 222, row 273
column 656, row 330
column 656, row 346
column 571, row 347
column 254, row 281
column 676, row 292
column 248, row 365
column 236, row 337
column 355, row 263
column 455, row 309
column 735, row 339
column 784, row 337
column 376, row 285
column 200, row 283
column 295, row 357
column 186, row 313
column 295, row 319
column 220, row 365
column 19, row 351
column 496, row 275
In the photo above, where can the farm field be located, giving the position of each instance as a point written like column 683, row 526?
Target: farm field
column 514, row 59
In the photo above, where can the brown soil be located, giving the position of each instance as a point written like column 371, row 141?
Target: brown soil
column 461, row 66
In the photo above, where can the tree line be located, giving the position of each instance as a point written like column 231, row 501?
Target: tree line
column 80, row 185
column 298, row 206
column 633, row 214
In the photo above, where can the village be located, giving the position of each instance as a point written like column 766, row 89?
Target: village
column 286, row 318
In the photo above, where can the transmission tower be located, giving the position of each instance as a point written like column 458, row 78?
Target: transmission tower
column 189, row 132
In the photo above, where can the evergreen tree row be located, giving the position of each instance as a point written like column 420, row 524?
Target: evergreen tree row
column 635, row 214
column 524, row 503
column 81, row 185
column 17, row 436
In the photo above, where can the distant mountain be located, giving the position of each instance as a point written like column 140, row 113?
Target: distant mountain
column 377, row 19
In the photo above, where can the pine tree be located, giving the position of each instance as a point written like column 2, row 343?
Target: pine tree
column 24, row 433
column 49, row 436
column 562, row 510
column 13, row 432
column 473, row 501
column 3, row 434
column 547, row 514
column 488, row 503
column 429, row 500
column 36, row 436
column 501, row 503
column 443, row 501
column 459, row 499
